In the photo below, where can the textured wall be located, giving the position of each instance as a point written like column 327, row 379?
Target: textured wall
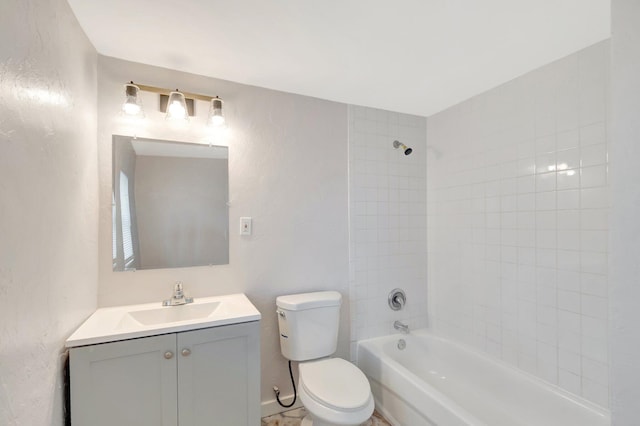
column 387, row 213
column 48, row 202
column 518, row 222
column 287, row 170
column 625, row 214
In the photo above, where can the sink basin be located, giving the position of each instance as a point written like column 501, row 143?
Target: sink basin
column 169, row 314
column 133, row 321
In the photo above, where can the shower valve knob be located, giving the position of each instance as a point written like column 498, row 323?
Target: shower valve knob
column 397, row 299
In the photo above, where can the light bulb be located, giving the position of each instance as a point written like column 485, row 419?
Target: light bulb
column 177, row 107
column 176, row 110
column 216, row 119
column 131, row 108
column 132, row 104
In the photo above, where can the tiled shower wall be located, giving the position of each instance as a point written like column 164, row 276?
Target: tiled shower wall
column 517, row 221
column 387, row 214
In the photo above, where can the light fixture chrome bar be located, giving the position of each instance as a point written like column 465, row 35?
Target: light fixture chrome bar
column 162, row 91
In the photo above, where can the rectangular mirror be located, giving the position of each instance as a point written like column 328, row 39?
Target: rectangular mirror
column 169, row 204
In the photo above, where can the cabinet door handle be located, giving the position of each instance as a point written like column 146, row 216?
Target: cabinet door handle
column 168, row 354
column 186, row 352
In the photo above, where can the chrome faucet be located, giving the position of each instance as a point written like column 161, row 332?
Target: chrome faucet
column 402, row 327
column 178, row 297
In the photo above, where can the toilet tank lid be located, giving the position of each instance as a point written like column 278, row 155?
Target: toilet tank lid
column 318, row 299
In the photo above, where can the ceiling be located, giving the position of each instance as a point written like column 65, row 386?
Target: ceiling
column 412, row 56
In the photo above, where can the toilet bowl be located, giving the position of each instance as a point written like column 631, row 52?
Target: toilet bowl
column 334, row 392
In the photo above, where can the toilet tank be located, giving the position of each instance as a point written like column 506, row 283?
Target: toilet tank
column 308, row 324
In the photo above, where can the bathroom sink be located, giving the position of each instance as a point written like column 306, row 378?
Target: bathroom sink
column 169, row 314
column 133, row 321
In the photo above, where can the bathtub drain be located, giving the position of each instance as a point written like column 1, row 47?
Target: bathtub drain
column 402, row 344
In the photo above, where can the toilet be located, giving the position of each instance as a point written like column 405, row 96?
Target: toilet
column 333, row 391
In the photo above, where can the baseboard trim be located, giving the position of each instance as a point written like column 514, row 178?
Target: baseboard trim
column 271, row 407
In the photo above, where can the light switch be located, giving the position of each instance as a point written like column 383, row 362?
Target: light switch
column 245, row 226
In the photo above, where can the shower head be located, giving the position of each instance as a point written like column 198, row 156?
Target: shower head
column 398, row 144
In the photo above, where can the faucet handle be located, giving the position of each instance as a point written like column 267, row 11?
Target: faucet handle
column 397, row 299
column 177, row 290
column 178, row 296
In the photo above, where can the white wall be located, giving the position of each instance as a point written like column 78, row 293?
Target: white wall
column 518, row 222
column 48, row 207
column 387, row 213
column 287, row 170
column 625, row 214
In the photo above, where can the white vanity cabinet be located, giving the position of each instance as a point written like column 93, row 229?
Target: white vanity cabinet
column 208, row 376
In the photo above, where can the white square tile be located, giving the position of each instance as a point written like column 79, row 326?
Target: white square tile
column 546, row 162
column 569, row 260
column 568, row 239
column 526, row 219
column 546, row 144
column 595, row 349
column 568, row 199
column 594, row 219
column 569, row 301
column 568, row 219
column 569, row 321
column 593, row 176
column 568, row 159
column 595, row 328
column 547, row 258
column 594, row 240
column 567, row 140
column 593, row 155
column 545, row 182
column 595, row 263
column 570, row 361
column 569, row 280
column 546, row 200
column 592, row 104
column 570, row 381
column 595, row 392
column 593, row 134
column 568, row 179
column 569, row 340
column 594, row 306
column 546, row 220
column 546, row 239
column 594, row 284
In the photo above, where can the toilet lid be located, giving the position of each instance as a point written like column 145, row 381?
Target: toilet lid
column 336, row 383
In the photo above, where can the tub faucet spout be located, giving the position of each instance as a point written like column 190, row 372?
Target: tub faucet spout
column 402, row 327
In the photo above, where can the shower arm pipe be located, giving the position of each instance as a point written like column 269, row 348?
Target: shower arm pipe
column 397, row 144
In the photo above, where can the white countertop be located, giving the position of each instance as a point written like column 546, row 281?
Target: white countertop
column 132, row 321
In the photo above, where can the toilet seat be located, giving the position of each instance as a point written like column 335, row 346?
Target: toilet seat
column 335, row 390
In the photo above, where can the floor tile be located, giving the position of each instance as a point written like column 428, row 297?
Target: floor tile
column 294, row 417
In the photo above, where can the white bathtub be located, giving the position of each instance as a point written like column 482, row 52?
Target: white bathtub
column 434, row 381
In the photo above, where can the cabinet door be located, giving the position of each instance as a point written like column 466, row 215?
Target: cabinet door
column 125, row 383
column 219, row 376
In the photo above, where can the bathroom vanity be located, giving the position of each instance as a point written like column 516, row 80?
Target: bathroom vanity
column 196, row 364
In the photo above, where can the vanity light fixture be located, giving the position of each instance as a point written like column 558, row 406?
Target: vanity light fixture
column 216, row 119
column 177, row 106
column 132, row 103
